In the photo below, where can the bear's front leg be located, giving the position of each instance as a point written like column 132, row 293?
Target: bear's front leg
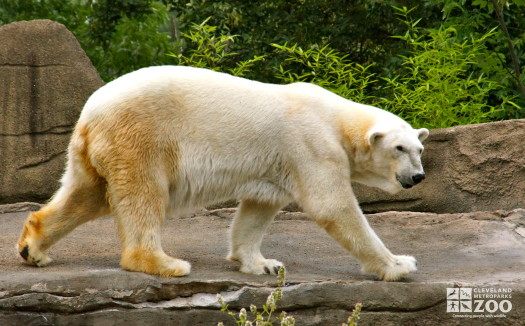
column 354, row 233
column 249, row 225
column 330, row 201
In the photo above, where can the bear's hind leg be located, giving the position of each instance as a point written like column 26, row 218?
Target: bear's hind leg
column 140, row 210
column 246, row 234
column 71, row 206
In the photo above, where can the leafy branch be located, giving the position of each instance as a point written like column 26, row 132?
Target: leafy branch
column 498, row 9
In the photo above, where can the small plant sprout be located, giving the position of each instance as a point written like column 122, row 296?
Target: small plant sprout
column 266, row 315
column 354, row 317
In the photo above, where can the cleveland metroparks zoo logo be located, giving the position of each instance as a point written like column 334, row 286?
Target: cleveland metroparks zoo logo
column 479, row 302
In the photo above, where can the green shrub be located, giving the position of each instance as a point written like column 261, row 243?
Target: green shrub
column 439, row 84
column 454, row 73
column 326, row 68
column 206, row 49
column 134, row 44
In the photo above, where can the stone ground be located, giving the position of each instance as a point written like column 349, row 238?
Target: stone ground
column 85, row 286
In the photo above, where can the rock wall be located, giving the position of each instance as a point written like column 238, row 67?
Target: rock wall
column 45, row 78
column 469, row 168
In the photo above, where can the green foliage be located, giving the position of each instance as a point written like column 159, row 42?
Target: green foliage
column 361, row 30
column 106, row 15
column 206, row 49
column 118, row 36
column 68, row 12
column 445, row 70
column 502, row 60
column 439, row 85
column 134, row 43
column 326, row 68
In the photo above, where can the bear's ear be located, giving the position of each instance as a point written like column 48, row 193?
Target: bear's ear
column 374, row 136
column 422, row 134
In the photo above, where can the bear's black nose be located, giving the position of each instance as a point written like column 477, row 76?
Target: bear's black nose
column 417, row 178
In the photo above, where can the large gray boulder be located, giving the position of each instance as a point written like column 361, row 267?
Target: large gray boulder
column 469, row 168
column 45, row 78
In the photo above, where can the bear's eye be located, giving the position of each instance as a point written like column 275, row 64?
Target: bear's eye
column 400, row 148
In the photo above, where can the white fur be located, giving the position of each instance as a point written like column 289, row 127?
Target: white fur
column 197, row 137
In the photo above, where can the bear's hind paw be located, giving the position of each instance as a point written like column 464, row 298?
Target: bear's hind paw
column 264, row 266
column 33, row 257
column 154, row 263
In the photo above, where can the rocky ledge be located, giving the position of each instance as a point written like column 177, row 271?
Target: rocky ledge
column 482, row 251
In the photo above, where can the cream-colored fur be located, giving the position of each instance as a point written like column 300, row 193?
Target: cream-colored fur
column 167, row 140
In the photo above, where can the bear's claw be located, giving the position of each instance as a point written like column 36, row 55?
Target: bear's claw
column 24, row 253
column 275, row 270
column 36, row 258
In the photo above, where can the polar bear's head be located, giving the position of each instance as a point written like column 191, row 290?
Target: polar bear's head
column 395, row 155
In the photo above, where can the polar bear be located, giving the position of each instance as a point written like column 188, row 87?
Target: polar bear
column 169, row 139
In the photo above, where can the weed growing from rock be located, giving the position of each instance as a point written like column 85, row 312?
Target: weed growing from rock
column 266, row 315
column 354, row 317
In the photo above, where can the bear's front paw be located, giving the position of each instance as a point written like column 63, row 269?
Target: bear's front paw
column 399, row 268
column 394, row 269
column 263, row 266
